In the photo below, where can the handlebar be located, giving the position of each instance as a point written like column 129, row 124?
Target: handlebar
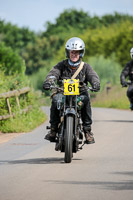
column 129, row 82
column 57, row 88
column 81, row 85
column 92, row 89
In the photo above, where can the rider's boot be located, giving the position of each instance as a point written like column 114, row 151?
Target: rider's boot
column 89, row 136
column 51, row 135
column 131, row 103
column 131, row 106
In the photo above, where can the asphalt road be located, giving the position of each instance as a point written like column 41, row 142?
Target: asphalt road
column 31, row 169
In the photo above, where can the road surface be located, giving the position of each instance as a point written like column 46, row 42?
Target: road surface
column 31, row 169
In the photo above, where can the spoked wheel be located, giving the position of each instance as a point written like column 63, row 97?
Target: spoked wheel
column 69, row 139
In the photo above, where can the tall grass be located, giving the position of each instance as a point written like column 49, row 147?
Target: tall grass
column 23, row 123
column 115, row 98
column 27, row 121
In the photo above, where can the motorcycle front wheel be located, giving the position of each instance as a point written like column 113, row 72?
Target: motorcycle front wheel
column 69, row 139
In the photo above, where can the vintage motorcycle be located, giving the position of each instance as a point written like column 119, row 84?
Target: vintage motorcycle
column 69, row 138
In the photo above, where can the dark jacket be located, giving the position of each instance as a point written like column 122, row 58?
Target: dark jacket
column 63, row 71
column 127, row 72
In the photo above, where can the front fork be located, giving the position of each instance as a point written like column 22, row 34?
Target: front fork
column 78, row 136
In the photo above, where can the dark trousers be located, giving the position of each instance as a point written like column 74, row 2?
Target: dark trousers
column 130, row 93
column 86, row 113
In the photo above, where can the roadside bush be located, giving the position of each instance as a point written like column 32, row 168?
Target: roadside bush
column 10, row 61
column 107, row 69
column 12, row 77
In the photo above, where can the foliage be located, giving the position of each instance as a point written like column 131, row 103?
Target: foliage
column 107, row 69
column 38, row 49
column 11, row 62
column 15, row 37
column 81, row 20
column 117, row 39
column 12, row 77
column 36, row 55
column 66, row 20
column 38, row 78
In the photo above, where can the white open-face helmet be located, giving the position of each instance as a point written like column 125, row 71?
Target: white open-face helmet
column 75, row 43
column 131, row 53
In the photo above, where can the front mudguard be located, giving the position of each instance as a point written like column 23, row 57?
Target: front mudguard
column 70, row 111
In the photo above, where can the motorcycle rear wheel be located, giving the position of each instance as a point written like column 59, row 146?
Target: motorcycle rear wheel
column 69, row 139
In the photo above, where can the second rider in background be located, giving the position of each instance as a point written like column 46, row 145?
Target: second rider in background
column 127, row 72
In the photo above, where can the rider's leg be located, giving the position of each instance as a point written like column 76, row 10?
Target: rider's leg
column 86, row 115
column 130, row 95
column 54, row 114
column 54, row 119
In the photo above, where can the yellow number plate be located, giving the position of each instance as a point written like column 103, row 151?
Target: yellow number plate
column 71, row 87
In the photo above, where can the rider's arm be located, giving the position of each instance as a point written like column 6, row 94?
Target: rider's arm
column 92, row 77
column 124, row 73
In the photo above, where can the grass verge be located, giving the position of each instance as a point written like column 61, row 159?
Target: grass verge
column 23, row 123
column 115, row 98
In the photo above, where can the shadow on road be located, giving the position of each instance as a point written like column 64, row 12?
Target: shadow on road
column 52, row 160
column 117, row 121
column 121, row 185
column 124, row 173
column 35, row 161
column 106, row 185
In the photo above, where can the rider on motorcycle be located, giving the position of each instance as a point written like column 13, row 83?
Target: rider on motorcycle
column 74, row 51
column 128, row 72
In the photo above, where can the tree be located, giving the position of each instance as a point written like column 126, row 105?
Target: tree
column 10, row 61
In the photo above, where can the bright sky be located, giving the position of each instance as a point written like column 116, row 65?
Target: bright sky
column 34, row 13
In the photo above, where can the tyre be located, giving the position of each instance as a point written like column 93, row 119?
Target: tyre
column 68, row 139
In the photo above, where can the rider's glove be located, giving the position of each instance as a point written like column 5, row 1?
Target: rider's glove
column 124, row 84
column 96, row 86
column 46, row 86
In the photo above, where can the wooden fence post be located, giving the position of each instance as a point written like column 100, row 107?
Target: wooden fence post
column 14, row 93
column 9, row 107
column 17, row 99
